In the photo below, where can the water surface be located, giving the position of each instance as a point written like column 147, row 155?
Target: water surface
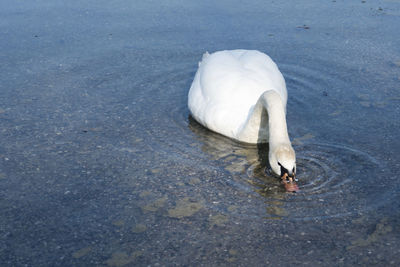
column 101, row 163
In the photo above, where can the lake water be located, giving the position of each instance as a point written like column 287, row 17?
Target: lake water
column 102, row 165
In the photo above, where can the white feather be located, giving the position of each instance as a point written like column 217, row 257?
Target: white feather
column 231, row 92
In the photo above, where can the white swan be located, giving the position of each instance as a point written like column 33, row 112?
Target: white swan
column 242, row 94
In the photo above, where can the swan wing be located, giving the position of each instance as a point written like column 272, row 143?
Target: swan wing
column 228, row 84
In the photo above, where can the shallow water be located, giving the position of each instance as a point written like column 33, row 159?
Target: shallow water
column 101, row 163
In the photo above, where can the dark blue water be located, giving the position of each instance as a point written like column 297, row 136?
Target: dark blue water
column 102, row 165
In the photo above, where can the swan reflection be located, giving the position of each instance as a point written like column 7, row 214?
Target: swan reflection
column 246, row 164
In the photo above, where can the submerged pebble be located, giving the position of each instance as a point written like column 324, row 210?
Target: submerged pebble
column 82, row 252
column 157, row 204
column 139, row 228
column 122, row 258
column 218, row 220
column 185, row 208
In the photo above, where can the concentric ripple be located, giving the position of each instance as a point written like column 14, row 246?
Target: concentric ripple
column 334, row 181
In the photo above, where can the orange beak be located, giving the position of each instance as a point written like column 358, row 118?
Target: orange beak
column 289, row 183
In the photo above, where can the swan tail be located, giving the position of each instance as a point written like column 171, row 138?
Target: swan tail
column 205, row 55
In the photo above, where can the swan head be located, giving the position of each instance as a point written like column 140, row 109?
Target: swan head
column 282, row 159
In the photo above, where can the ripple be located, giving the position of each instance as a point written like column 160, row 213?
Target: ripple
column 315, row 91
column 334, row 180
column 168, row 112
column 325, row 167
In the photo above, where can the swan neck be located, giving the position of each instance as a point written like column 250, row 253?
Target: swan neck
column 266, row 122
column 277, row 127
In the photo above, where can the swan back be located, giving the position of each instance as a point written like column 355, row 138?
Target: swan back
column 227, row 86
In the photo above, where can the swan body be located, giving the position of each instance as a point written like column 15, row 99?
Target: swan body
column 242, row 94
